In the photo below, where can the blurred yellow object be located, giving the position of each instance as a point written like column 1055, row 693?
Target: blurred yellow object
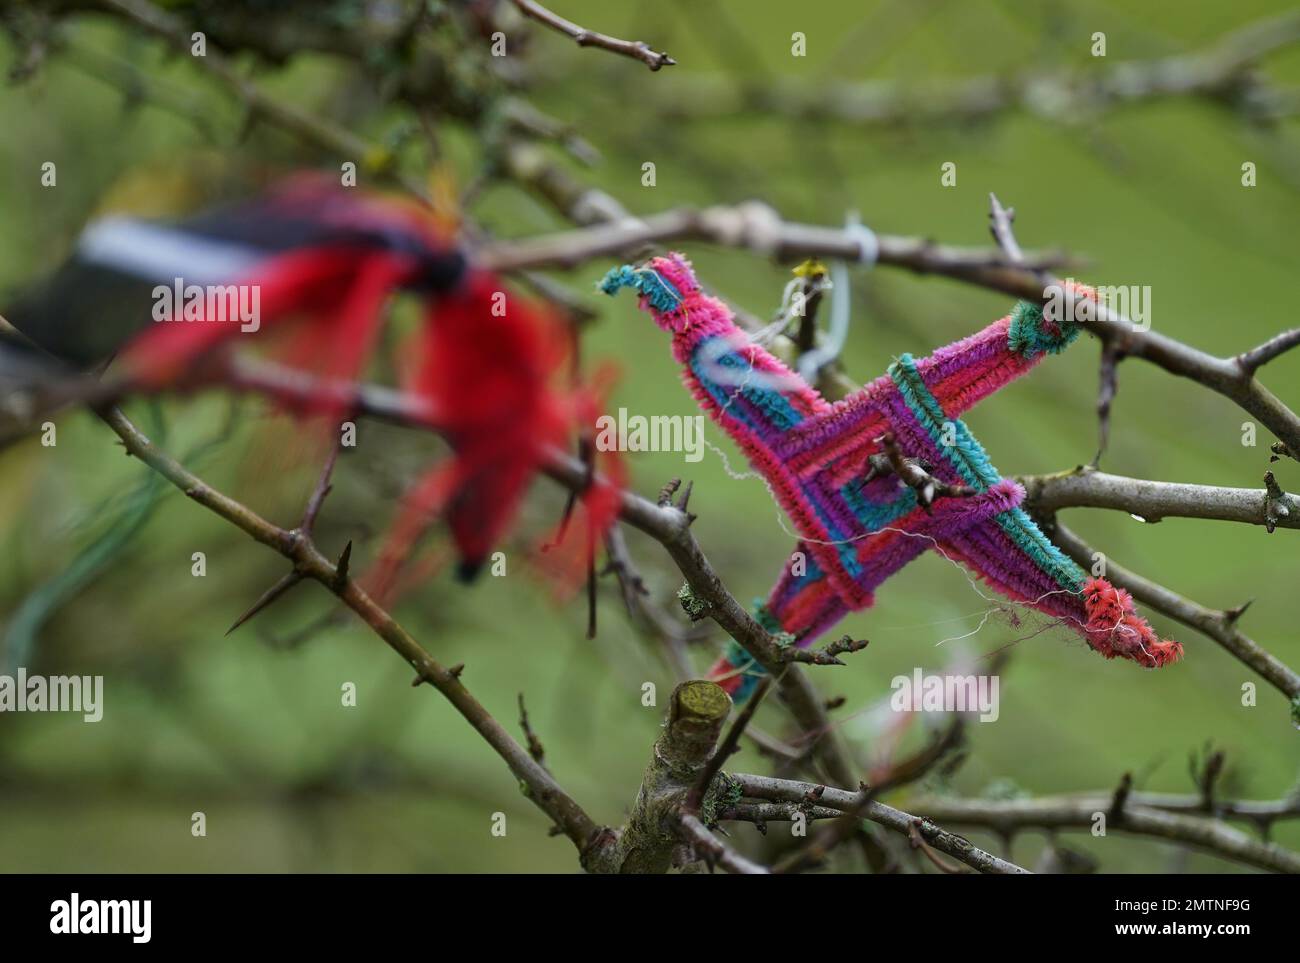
column 811, row 268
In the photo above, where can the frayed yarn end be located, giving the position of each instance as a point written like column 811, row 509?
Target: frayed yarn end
column 1115, row 629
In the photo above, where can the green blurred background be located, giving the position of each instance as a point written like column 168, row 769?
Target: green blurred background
column 250, row 729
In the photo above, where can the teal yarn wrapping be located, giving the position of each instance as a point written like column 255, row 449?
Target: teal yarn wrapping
column 968, row 457
column 656, row 289
column 1027, row 338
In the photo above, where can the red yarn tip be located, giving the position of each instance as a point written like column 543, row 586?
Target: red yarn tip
column 1115, row 629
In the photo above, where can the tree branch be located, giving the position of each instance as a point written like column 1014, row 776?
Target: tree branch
column 711, row 849
column 589, row 38
column 1009, row 816
column 790, row 791
column 756, row 227
column 751, row 226
column 1250, row 361
column 1221, row 626
column 1153, row 500
column 298, row 547
column 1220, row 74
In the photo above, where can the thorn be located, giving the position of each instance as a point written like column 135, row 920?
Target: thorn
column 269, row 596
column 1121, row 797
column 341, row 566
column 686, row 497
column 1231, row 615
column 456, row 670
column 1108, row 385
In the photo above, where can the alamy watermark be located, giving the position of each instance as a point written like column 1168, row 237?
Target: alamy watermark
column 55, row 693
column 74, row 916
column 684, row 433
column 1132, row 301
column 218, row 303
column 946, row 693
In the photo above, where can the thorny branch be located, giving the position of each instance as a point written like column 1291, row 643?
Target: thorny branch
column 1219, row 625
column 1045, row 494
column 1154, row 500
column 843, row 801
column 1221, row 73
column 297, row 546
column 600, row 849
column 1008, row 816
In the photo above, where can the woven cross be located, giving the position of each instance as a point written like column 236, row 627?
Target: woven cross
column 857, row 526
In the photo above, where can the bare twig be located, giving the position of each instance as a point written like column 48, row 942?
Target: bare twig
column 826, row 655
column 1206, row 775
column 1108, row 377
column 535, row 747
column 1153, row 500
column 1000, row 220
column 711, row 849
column 786, row 790
column 774, row 812
column 918, row 843
column 654, row 618
column 751, row 226
column 323, row 487
column 756, row 227
column 583, row 37
column 298, row 547
column 1250, row 361
column 1012, row 815
column 1221, row 74
column 820, row 846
